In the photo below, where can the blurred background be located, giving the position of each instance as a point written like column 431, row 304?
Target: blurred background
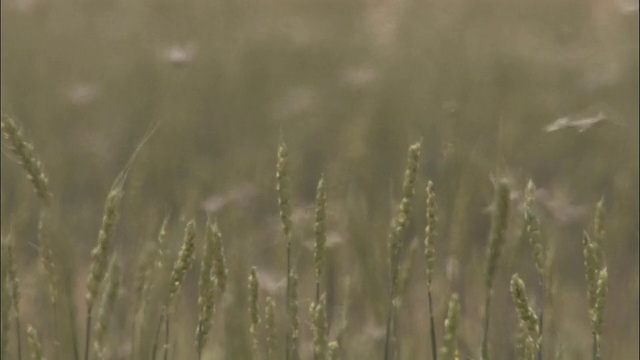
column 546, row 90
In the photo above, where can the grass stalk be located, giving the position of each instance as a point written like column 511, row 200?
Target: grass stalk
column 181, row 266
column 13, row 282
column 321, row 235
column 532, row 232
column 254, row 314
column 113, row 280
column 429, row 252
column 526, row 314
column 35, row 344
column 206, row 289
column 449, row 350
column 270, row 327
column 499, row 222
column 25, row 155
column 319, row 320
column 284, row 206
column 399, row 224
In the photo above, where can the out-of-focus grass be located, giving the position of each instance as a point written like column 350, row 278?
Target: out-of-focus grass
column 348, row 86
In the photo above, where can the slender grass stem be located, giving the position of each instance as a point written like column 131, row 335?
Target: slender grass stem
column 87, row 338
column 154, row 350
column 432, row 328
column 166, row 339
column 18, row 338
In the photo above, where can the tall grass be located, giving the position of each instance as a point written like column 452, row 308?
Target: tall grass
column 213, row 277
column 350, row 84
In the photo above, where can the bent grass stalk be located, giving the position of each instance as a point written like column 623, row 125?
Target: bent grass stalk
column 100, row 252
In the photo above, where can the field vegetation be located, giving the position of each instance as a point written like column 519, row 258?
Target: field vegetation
column 320, row 179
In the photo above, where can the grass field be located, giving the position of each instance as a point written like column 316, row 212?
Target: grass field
column 426, row 122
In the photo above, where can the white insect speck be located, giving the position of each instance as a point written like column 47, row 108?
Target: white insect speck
column 180, row 55
column 24, row 6
column 241, row 195
column 580, row 123
column 360, row 76
column 271, row 283
column 333, row 239
column 82, row 93
column 628, row 6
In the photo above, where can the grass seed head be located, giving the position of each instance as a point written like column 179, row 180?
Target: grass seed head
column 283, row 189
column 220, row 270
column 100, row 252
column 23, row 150
column 320, row 229
column 183, row 263
column 601, row 297
column 254, row 313
column 34, row 344
column 113, row 280
column 449, row 348
column 532, row 230
column 270, row 326
column 206, row 289
column 525, row 313
column 430, row 232
column 319, row 318
column 499, row 222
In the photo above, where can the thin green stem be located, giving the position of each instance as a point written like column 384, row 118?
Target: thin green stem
column 19, row 347
column 432, row 328
column 87, row 339
column 166, row 339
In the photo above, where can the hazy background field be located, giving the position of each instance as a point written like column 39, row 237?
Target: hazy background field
column 349, row 85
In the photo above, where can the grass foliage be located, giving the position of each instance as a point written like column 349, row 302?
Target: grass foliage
column 319, row 180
